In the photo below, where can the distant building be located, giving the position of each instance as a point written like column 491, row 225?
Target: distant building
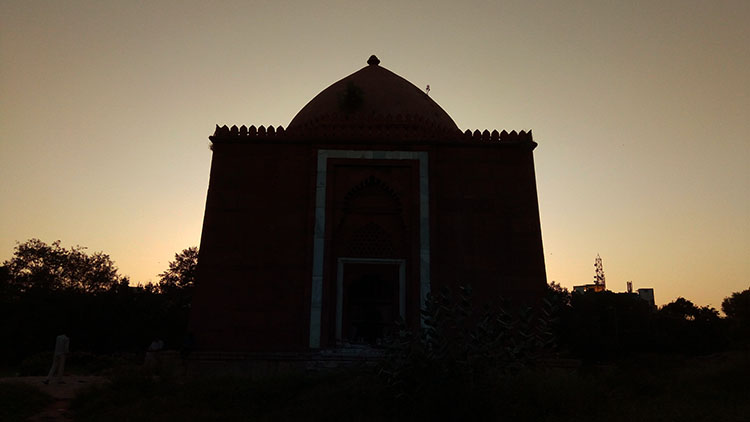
column 588, row 288
column 647, row 294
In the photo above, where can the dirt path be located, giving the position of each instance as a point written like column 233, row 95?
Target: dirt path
column 63, row 393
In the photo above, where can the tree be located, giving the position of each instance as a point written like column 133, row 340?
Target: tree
column 737, row 306
column 36, row 264
column 681, row 308
column 707, row 314
column 560, row 293
column 181, row 272
column 686, row 328
column 737, row 309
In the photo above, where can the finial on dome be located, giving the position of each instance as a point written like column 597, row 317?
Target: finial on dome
column 373, row 61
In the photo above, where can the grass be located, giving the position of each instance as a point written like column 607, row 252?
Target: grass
column 694, row 390
column 648, row 389
column 19, row 401
column 78, row 363
column 226, row 398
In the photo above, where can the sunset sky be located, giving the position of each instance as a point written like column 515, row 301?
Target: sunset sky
column 641, row 111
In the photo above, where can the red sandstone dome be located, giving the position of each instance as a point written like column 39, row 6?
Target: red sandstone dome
column 373, row 98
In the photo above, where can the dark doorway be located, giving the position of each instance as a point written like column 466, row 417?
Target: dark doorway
column 371, row 301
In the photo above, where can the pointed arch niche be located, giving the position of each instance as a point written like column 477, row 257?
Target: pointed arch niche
column 366, row 236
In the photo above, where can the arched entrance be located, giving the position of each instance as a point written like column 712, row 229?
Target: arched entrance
column 370, row 267
column 371, row 245
column 371, row 296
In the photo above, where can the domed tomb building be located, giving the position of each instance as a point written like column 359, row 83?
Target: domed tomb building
column 323, row 234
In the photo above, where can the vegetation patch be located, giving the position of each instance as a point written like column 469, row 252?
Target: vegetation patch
column 695, row 389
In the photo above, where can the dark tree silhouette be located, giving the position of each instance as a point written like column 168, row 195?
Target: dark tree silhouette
column 560, row 293
column 686, row 328
column 181, row 272
column 707, row 313
column 737, row 306
column 44, row 287
column 737, row 309
column 36, row 264
column 680, row 308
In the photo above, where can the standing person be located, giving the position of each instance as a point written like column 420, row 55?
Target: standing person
column 152, row 354
column 62, row 347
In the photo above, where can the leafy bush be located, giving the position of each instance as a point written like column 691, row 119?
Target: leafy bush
column 458, row 352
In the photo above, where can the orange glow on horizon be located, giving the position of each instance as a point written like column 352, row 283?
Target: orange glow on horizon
column 640, row 113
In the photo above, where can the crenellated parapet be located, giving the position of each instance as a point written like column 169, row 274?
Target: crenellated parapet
column 225, row 132
column 391, row 129
column 495, row 136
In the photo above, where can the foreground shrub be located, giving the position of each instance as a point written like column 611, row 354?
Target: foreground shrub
column 649, row 388
column 458, row 353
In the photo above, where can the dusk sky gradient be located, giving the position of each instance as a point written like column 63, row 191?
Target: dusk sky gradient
column 641, row 111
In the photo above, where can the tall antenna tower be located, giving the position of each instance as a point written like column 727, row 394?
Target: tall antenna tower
column 599, row 279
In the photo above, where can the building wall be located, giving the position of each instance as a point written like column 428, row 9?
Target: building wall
column 253, row 289
column 254, row 265
column 486, row 229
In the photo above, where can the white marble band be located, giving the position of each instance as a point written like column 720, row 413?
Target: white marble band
column 316, row 302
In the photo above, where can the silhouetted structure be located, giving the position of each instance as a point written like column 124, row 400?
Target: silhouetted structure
column 588, row 288
column 600, row 283
column 647, row 294
column 321, row 235
column 599, row 278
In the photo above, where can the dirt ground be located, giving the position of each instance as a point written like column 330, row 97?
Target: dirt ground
column 62, row 390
